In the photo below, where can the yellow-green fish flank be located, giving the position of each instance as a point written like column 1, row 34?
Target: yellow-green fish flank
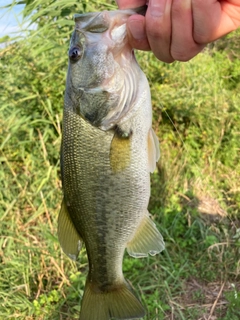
column 108, row 152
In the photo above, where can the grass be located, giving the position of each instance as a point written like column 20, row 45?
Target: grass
column 195, row 197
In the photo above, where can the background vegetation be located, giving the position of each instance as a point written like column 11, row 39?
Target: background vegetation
column 195, row 192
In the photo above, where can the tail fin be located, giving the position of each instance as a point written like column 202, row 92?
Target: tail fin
column 118, row 303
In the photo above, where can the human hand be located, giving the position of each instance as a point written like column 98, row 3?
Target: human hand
column 180, row 29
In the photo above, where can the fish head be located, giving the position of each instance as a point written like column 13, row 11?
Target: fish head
column 97, row 40
column 99, row 57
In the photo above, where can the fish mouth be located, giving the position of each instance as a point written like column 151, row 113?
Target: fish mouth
column 95, row 22
column 111, row 23
column 99, row 22
column 86, row 17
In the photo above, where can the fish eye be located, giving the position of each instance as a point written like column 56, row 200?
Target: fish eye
column 75, row 54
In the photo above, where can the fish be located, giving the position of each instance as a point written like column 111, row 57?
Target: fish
column 108, row 151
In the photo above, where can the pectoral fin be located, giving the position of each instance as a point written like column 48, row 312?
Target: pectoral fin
column 120, row 152
column 153, row 150
column 147, row 239
column 68, row 236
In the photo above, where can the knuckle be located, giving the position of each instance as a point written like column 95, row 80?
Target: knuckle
column 154, row 33
column 186, row 52
column 166, row 59
column 176, row 8
column 180, row 55
column 201, row 38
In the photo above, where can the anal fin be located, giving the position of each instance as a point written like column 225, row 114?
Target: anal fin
column 68, row 236
column 147, row 239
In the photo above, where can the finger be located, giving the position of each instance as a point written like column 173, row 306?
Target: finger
column 213, row 19
column 135, row 25
column 158, row 28
column 129, row 4
column 137, row 32
column 183, row 46
column 206, row 17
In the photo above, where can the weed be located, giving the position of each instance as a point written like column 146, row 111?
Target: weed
column 195, row 195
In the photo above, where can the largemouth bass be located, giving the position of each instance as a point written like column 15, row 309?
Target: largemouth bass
column 108, row 151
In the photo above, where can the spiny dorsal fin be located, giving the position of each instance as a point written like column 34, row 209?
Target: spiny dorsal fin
column 147, row 239
column 68, row 236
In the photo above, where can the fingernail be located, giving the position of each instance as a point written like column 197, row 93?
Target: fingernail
column 157, row 7
column 137, row 29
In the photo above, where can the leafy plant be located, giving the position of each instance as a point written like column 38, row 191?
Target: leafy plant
column 195, row 195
